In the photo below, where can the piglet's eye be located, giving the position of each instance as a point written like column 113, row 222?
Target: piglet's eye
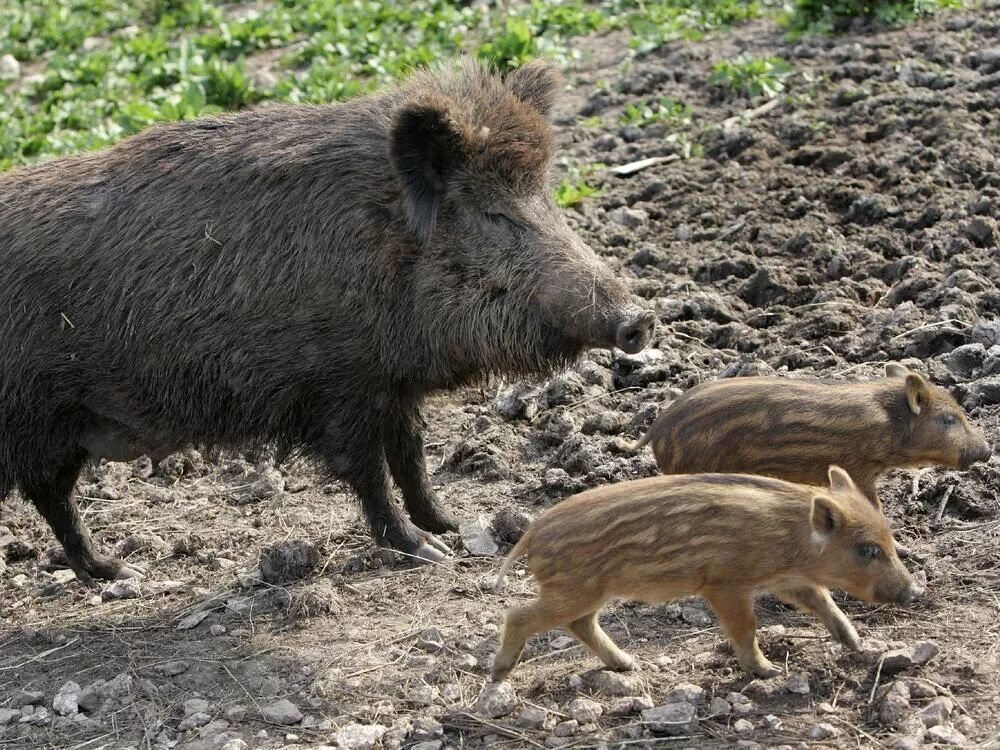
column 949, row 420
column 868, row 552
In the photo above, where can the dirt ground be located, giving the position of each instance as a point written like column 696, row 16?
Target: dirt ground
column 855, row 223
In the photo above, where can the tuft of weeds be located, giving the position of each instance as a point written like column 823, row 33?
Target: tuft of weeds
column 817, row 16
column 578, row 185
column 751, row 77
column 664, row 110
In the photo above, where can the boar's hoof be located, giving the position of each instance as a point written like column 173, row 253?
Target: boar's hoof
column 764, row 669
column 432, row 550
column 436, row 521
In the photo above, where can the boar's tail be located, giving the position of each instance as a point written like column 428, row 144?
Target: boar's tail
column 519, row 550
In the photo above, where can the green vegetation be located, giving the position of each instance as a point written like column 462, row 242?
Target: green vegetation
column 816, row 16
column 665, row 110
column 577, row 185
column 751, row 77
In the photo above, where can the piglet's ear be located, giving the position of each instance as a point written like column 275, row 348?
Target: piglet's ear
column 840, row 480
column 826, row 516
column 537, row 84
column 918, row 393
column 895, row 370
column 425, row 147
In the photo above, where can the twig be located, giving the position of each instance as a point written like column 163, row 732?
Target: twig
column 944, row 502
column 40, row 656
column 501, row 729
column 937, row 324
column 878, row 676
column 749, row 114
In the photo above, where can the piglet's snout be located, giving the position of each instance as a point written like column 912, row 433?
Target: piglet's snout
column 635, row 332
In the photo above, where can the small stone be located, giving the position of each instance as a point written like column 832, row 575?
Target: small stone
column 872, row 649
column 468, row 662
column 561, row 642
column 895, row 704
column 824, row 731
column 615, row 683
column 905, row 742
column 477, row 536
column 896, row 660
column 945, row 735
column 965, row 724
column 629, row 217
column 496, row 700
column 531, row 717
column 920, row 689
column 235, row 714
column 359, row 736
column 28, row 697
column 427, row 745
column 719, row 707
column 10, row 68
column 67, row 699
column 743, row 726
column 195, row 706
column 695, row 616
column 235, row 744
column 826, row 708
column 282, row 712
column 772, row 722
column 797, row 683
column 9, row 716
column 584, row 710
column 566, row 728
column 981, row 232
column 517, row 402
column 430, row 640
column 197, row 719
column 128, row 588
column 741, row 704
column 173, row 668
column 924, row 651
column 936, row 712
column 551, row 741
column 222, row 563
column 622, row 707
column 671, row 718
column 686, row 693
column 192, row 620
column 38, row 717
column 217, row 629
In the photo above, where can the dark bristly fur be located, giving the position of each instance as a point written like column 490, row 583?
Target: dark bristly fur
column 295, row 275
column 725, row 537
column 792, row 429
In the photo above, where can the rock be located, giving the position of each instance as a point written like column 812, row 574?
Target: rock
column 359, row 736
column 719, row 707
column 894, row 704
column 966, row 359
column 671, row 718
column 517, row 402
column 466, row 662
column 896, row 660
column 288, row 561
column 128, row 588
column 985, row 332
column 9, row 716
column 235, row 714
column 584, row 710
column 798, row 683
column 10, row 68
column 945, row 735
column 496, row 700
column 427, row 745
column 28, row 697
column 430, row 640
column 217, row 629
column 37, row 717
column 562, row 390
column 235, row 744
column 566, row 728
column 477, row 536
column 629, row 217
column 741, row 704
column 983, row 392
column 924, row 651
column 196, row 706
column 824, row 731
column 509, row 524
column 622, row 707
column 282, row 712
column 905, row 742
column 615, row 683
column 696, row 616
column 6, row 537
column 561, row 642
column 936, row 712
column 981, row 232
column 920, row 689
column 872, row 649
column 743, row 726
column 193, row 620
column 965, row 724
column 66, row 702
column 686, row 693
column 531, row 717
column 197, row 719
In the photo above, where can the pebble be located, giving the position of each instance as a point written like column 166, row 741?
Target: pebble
column 67, row 699
column 467, row 662
column 584, row 710
column 359, row 736
column 235, row 744
column 561, row 642
column 28, row 697
column 719, row 707
column 946, row 735
column 965, row 724
column 173, row 668
column 615, row 683
column 288, row 561
column 566, row 728
column 430, row 640
column 686, row 693
column 427, row 745
column 621, row 707
column 671, row 718
column 8, row 716
column 695, row 616
column 39, row 716
column 894, row 704
column 798, row 683
column 282, row 712
column 426, row 728
column 531, row 717
column 772, row 722
column 195, row 706
column 897, row 660
column 936, row 712
column 235, row 714
column 10, row 68
column 496, row 700
column 629, row 217
column 477, row 536
column 740, row 703
column 905, row 742
column 197, row 719
column 217, row 629
column 924, row 651
column 743, row 726
column 824, row 731
column 517, row 402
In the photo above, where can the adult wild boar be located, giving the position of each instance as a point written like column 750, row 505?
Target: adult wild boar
column 298, row 275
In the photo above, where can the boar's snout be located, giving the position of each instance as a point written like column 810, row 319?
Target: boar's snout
column 981, row 451
column 635, row 331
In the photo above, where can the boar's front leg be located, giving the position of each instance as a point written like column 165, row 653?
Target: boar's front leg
column 404, row 450
column 50, row 488
column 735, row 611
column 818, row 601
column 354, row 452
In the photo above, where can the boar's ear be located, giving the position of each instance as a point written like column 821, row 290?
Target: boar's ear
column 825, row 517
column 424, row 145
column 840, row 480
column 918, row 393
column 895, row 370
column 537, row 84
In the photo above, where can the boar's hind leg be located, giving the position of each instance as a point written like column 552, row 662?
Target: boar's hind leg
column 735, row 611
column 51, row 490
column 520, row 623
column 589, row 632
column 404, row 450
column 818, row 601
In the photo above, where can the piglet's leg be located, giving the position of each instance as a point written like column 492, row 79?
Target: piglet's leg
column 735, row 611
column 520, row 623
column 817, row 600
column 589, row 632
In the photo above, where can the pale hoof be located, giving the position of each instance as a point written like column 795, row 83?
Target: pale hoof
column 765, row 669
column 129, row 571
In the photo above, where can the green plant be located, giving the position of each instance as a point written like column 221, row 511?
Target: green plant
column 817, row 16
column 664, row 110
column 751, row 77
column 514, row 47
column 577, row 185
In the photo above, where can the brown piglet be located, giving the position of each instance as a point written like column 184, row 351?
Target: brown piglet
column 793, row 429
column 724, row 537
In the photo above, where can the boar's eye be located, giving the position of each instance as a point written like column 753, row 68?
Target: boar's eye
column 949, row 420
column 499, row 217
column 868, row 552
